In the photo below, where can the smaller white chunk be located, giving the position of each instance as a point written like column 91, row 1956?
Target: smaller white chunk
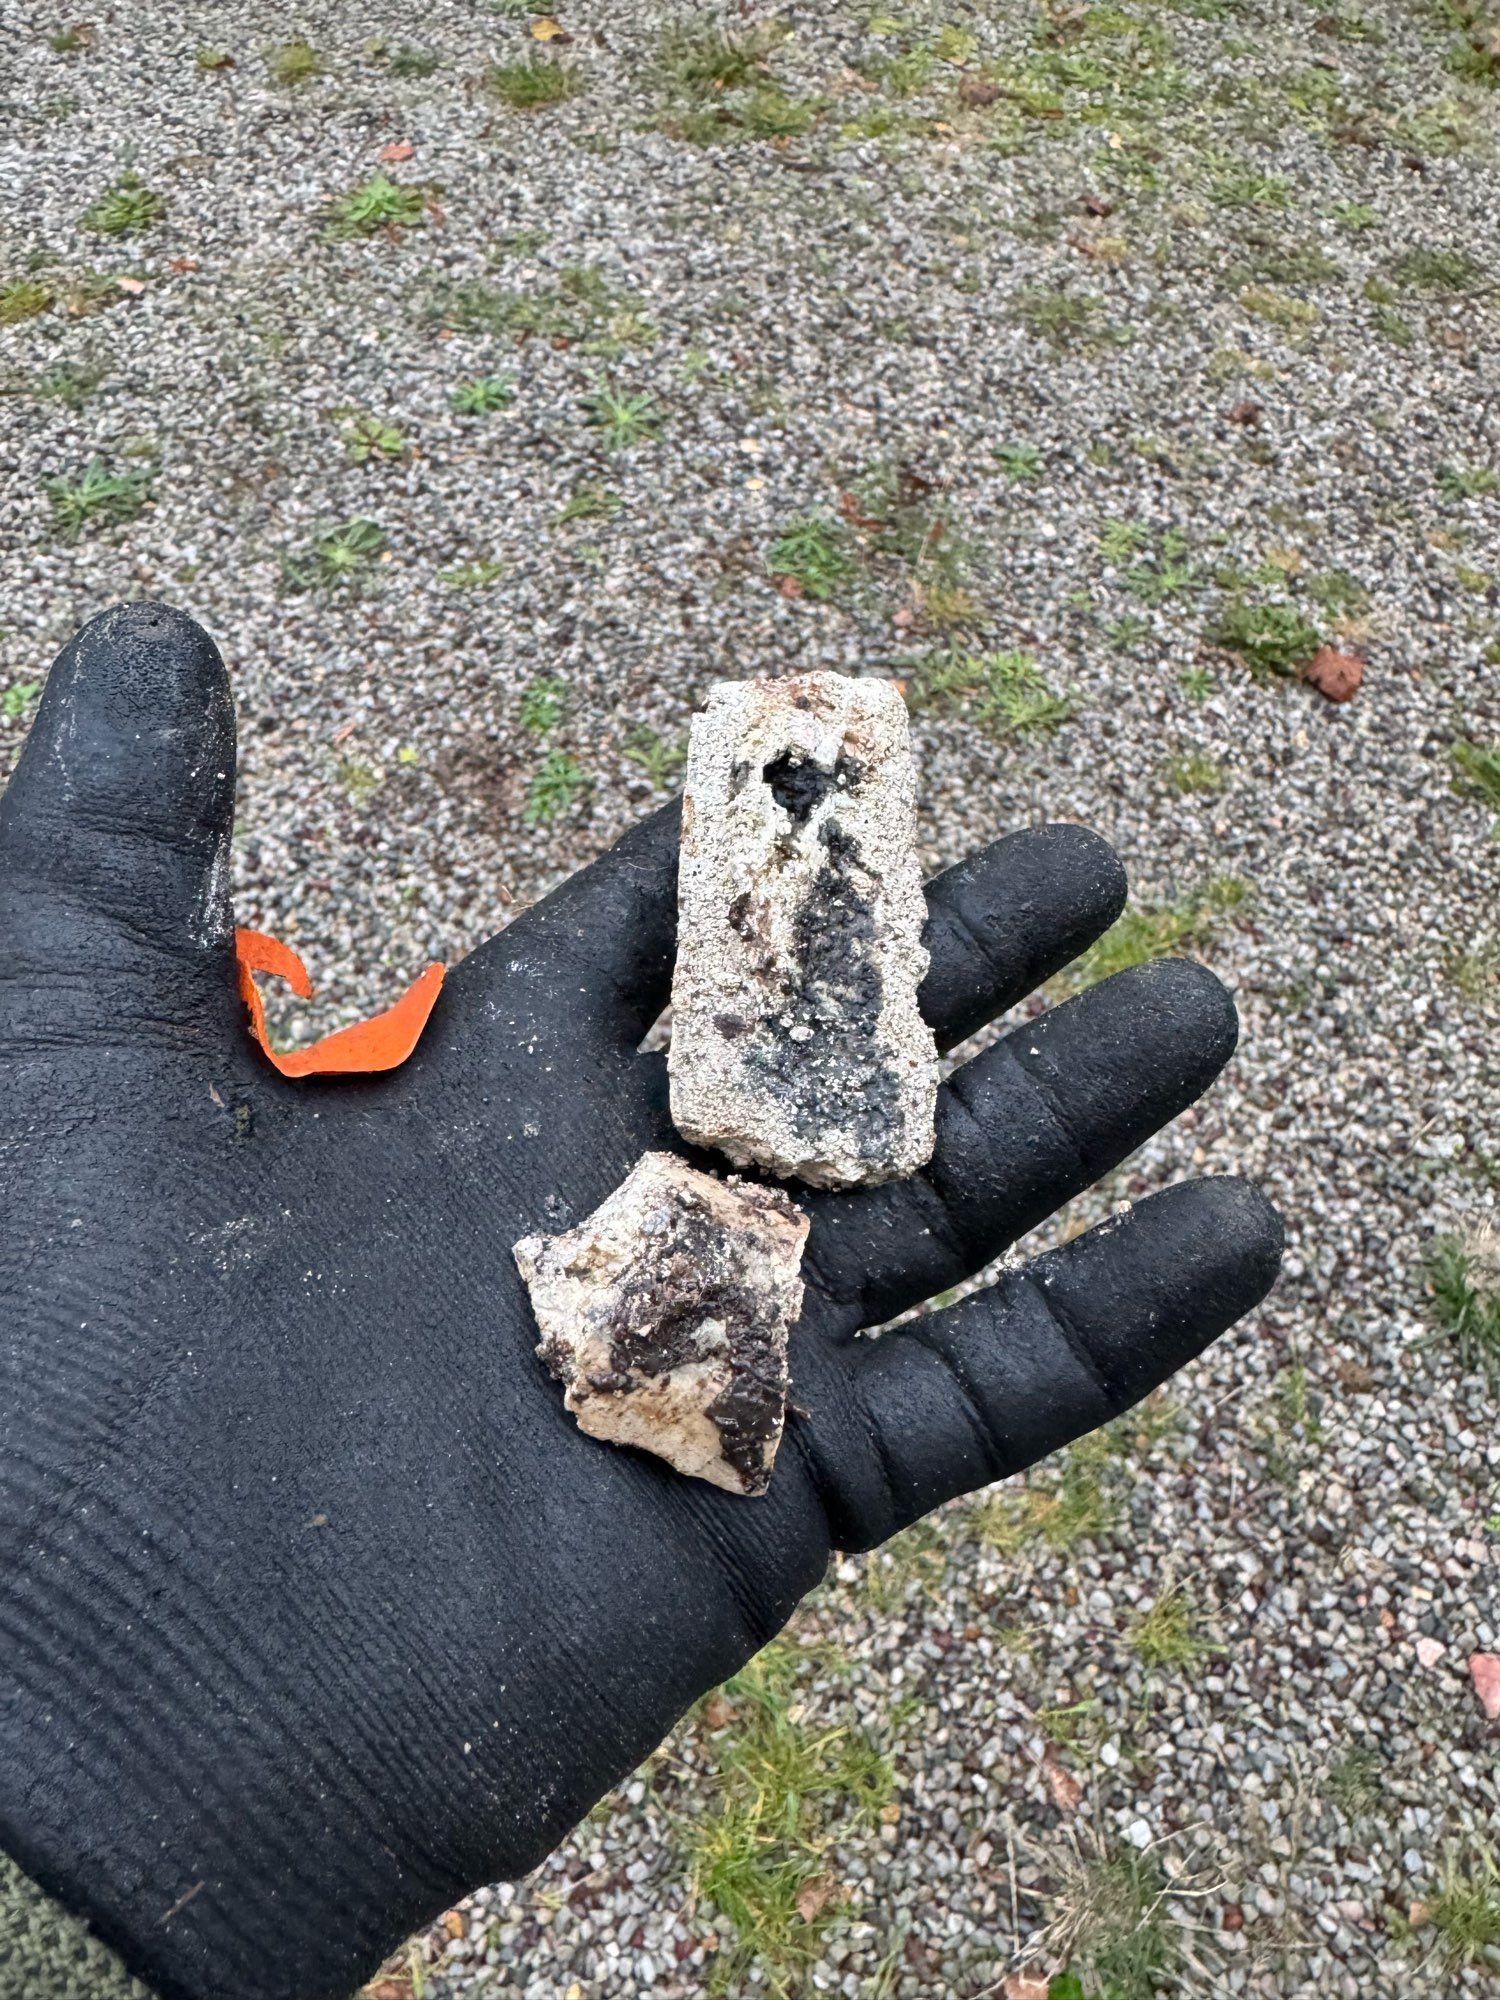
column 665, row 1315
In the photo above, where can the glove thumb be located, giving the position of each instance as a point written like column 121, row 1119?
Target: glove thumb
column 115, row 833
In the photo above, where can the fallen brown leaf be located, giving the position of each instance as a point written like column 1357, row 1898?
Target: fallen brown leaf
column 1064, row 1787
column 453, row 1923
column 1337, row 676
column 133, row 287
column 1095, row 204
column 717, row 1712
column 1248, row 412
column 549, row 30
column 815, row 1896
column 398, row 149
column 182, row 263
column 1025, row 1986
column 849, row 507
column 977, row 92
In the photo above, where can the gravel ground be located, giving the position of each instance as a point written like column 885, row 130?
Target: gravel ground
column 1081, row 338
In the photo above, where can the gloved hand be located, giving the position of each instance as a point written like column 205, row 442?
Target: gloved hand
column 316, row 1609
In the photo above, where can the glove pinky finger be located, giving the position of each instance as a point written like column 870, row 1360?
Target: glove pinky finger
column 1056, row 1348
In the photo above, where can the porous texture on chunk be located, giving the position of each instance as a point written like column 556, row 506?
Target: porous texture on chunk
column 797, row 1042
column 665, row 1315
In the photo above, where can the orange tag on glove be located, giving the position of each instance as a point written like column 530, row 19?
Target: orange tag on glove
column 382, row 1042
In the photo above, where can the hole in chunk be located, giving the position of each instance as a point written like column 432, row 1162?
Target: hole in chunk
column 799, row 786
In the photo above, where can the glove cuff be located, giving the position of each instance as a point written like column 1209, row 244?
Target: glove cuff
column 49, row 1954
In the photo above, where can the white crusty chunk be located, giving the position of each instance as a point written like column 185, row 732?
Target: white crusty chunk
column 797, row 1043
column 665, row 1315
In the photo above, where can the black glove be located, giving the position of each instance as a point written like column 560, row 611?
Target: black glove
column 316, row 1609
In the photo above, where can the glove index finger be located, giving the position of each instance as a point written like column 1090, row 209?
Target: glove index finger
column 598, row 949
column 1007, row 918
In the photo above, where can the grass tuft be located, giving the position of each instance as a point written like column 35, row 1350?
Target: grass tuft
column 1476, row 769
column 621, row 421
column 771, row 113
column 409, row 61
column 704, row 56
column 1167, row 1634
column 70, row 383
column 1466, row 482
column 814, row 554
column 124, row 209
column 1195, row 771
column 1269, row 638
column 96, row 496
column 1151, row 930
column 661, row 761
column 580, row 308
column 338, row 557
column 1283, row 309
column 592, row 501
column 1075, row 1506
column 368, row 437
column 24, row 298
column 1475, row 971
column 1429, row 270
column 293, row 63
column 477, row 575
column 723, row 88
column 377, row 204
column 18, row 698
column 1004, row 692
column 1055, row 315
column 1078, row 1494
column 785, row 1788
column 1354, row 1782
column 1019, row 461
column 480, row 398
column 1465, row 1913
column 1120, row 1940
column 533, row 84
column 542, row 705
column 1463, row 1290
column 555, row 784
